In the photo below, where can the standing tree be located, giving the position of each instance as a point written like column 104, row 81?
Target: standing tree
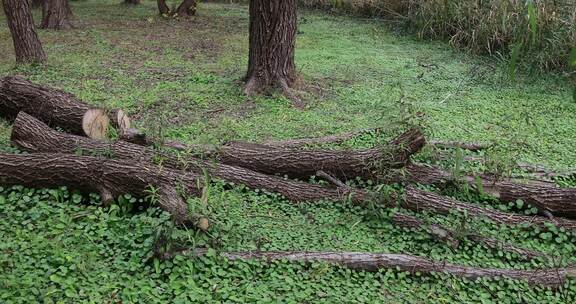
column 56, row 15
column 163, row 7
column 26, row 43
column 272, row 41
column 186, row 9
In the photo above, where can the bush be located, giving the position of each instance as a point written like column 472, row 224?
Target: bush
column 539, row 33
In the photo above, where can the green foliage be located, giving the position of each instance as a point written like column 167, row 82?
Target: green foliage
column 545, row 28
column 62, row 246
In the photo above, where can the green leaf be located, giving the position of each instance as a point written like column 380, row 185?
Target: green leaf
column 572, row 61
column 532, row 19
column 514, row 60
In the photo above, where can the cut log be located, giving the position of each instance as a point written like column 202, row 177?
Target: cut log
column 545, row 197
column 451, row 237
column 367, row 164
column 554, row 277
column 299, row 163
column 32, row 135
column 273, row 158
column 56, row 108
column 418, row 200
column 111, row 178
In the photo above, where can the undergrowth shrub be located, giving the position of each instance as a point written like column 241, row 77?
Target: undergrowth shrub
column 536, row 33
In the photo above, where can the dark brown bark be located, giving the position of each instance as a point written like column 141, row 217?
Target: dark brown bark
column 186, row 9
column 109, row 177
column 557, row 201
column 32, row 135
column 271, row 64
column 368, row 164
column 55, row 107
column 554, row 277
column 56, row 15
column 451, row 237
column 27, row 46
column 418, row 200
column 163, row 7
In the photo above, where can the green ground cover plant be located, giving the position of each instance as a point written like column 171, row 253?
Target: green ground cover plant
column 181, row 79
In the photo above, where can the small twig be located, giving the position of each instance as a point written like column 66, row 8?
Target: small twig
column 332, row 179
column 456, row 144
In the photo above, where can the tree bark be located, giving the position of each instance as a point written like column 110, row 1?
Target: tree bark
column 367, row 164
column 56, row 108
column 163, row 7
column 298, row 163
column 56, row 15
column 34, row 136
column 27, row 46
column 554, row 277
column 271, row 64
column 109, row 177
column 418, row 200
column 186, row 9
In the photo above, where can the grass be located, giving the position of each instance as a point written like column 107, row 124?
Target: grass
column 182, row 79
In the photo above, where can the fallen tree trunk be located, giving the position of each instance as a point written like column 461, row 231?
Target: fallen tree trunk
column 451, row 237
column 111, row 178
column 419, row 200
column 409, row 263
column 299, row 163
column 32, row 135
column 367, row 164
column 56, row 108
column 547, row 198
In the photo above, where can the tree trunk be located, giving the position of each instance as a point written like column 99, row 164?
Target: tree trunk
column 163, row 7
column 367, row 164
column 418, row 200
column 56, row 108
column 187, row 8
column 27, row 46
column 554, row 277
column 34, row 136
column 298, row 163
column 547, row 198
column 109, row 177
column 132, row 2
column 271, row 64
column 56, row 15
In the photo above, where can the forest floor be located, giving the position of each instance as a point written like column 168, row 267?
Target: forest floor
column 182, row 79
